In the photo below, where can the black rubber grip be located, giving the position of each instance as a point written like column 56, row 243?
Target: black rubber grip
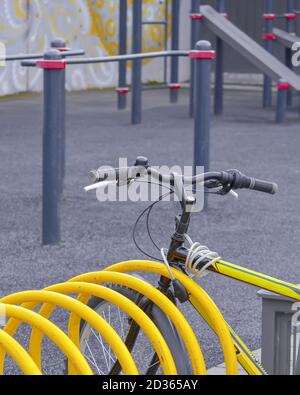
column 263, row 186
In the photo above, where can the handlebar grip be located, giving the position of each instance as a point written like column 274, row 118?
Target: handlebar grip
column 263, row 186
column 240, row 181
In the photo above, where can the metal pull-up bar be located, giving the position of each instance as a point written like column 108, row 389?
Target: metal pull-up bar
column 54, row 67
column 116, row 58
column 58, row 44
column 137, row 38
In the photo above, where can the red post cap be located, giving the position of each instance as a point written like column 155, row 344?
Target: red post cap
column 175, row 86
column 197, row 17
column 122, row 91
column 202, row 51
column 51, row 64
column 283, row 85
column 269, row 17
column 52, row 61
column 269, row 36
column 290, row 16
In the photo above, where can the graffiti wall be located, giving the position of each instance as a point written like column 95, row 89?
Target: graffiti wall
column 27, row 26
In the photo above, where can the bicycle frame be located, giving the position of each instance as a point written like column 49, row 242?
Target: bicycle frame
column 251, row 277
column 263, row 281
column 244, row 356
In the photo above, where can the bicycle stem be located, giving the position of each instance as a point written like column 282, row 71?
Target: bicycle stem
column 178, row 238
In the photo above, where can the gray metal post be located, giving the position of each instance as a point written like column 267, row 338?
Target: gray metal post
column 122, row 88
column 195, row 36
column 203, row 56
column 290, row 28
column 282, row 91
column 276, row 334
column 268, row 36
column 60, row 45
column 175, row 46
column 53, row 125
column 136, row 110
column 218, row 107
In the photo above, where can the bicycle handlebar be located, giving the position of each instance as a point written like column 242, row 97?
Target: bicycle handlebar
column 228, row 180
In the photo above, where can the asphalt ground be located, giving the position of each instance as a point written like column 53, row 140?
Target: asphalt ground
column 258, row 231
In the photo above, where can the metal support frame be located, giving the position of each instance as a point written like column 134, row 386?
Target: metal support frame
column 203, row 56
column 281, row 107
column 61, row 45
column 268, row 37
column 164, row 23
column 195, row 37
column 137, row 36
column 175, row 46
column 122, row 88
column 53, row 65
column 53, row 143
column 290, row 28
column 136, row 110
column 219, row 70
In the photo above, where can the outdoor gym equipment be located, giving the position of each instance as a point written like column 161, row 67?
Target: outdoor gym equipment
column 196, row 32
column 270, row 35
column 137, row 38
column 54, row 67
column 184, row 259
column 253, row 52
column 58, row 44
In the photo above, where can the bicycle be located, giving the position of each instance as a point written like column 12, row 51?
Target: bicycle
column 180, row 264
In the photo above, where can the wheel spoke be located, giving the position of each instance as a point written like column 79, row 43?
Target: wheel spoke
column 92, row 355
column 96, row 366
column 102, row 357
column 121, row 322
column 109, row 350
column 99, row 338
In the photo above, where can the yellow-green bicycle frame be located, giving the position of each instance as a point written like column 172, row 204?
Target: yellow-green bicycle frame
column 245, row 357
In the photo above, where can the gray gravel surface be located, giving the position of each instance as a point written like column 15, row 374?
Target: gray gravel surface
column 257, row 231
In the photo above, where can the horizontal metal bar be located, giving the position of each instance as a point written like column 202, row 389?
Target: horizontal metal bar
column 118, row 58
column 107, row 59
column 154, row 23
column 10, row 58
column 22, row 57
column 29, row 63
column 153, row 87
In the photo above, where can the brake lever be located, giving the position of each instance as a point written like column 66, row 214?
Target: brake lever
column 234, row 194
column 101, row 184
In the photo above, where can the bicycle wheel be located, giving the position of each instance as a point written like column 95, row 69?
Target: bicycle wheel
column 99, row 354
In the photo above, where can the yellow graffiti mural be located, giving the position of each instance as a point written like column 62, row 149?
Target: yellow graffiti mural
column 30, row 25
column 104, row 14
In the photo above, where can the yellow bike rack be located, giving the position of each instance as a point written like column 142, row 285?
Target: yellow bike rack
column 19, row 308
column 207, row 305
column 181, row 324
column 53, row 332
column 53, row 297
column 18, row 354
